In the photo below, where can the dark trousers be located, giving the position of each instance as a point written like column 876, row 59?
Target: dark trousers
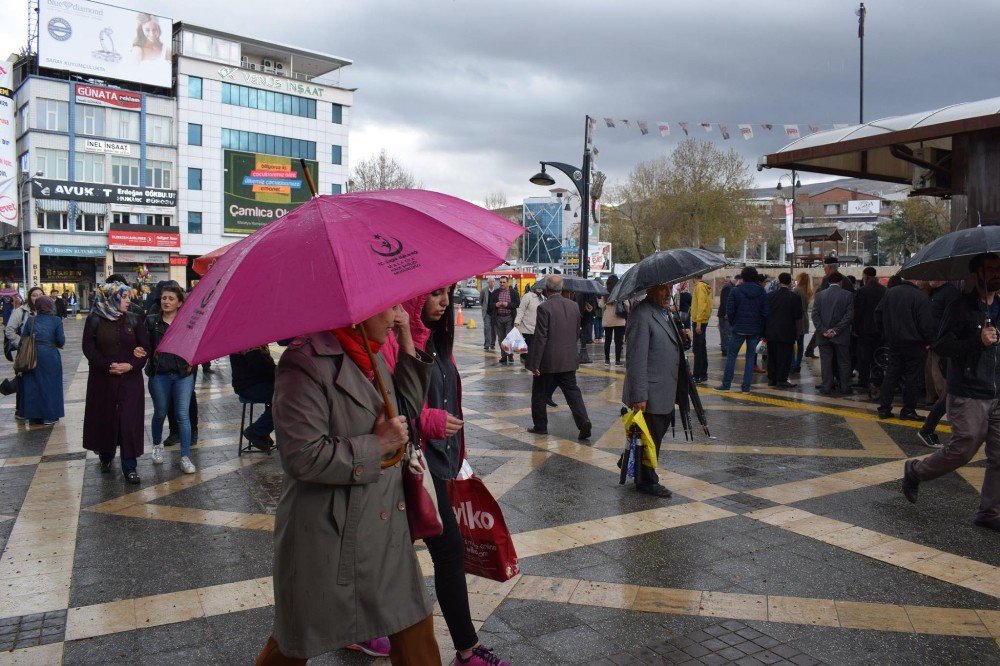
column 867, row 345
column 128, row 464
column 528, row 337
column 835, row 362
column 725, row 332
column 448, row 555
column 936, row 414
column 489, row 333
column 502, row 325
column 700, row 352
column 972, row 422
column 542, row 388
column 261, row 392
column 779, row 361
column 813, row 341
column 618, row 334
column 906, row 364
column 658, row 425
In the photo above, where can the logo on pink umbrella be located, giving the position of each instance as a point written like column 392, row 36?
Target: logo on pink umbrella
column 387, row 246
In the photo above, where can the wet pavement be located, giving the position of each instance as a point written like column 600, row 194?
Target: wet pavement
column 787, row 540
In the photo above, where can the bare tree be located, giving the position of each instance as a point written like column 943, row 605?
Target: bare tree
column 495, row 201
column 381, row 172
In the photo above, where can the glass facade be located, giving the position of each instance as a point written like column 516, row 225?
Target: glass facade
column 543, row 240
column 252, row 142
column 266, row 100
column 194, row 222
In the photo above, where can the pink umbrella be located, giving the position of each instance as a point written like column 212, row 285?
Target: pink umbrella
column 332, row 262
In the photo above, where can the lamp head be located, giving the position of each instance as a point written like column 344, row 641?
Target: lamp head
column 542, row 178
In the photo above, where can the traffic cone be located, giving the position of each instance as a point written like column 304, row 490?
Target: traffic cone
column 459, row 321
column 472, row 323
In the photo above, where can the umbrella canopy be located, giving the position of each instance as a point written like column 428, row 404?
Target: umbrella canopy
column 665, row 267
column 206, row 261
column 577, row 284
column 947, row 258
column 332, row 262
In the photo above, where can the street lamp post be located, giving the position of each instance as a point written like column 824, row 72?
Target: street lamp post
column 790, row 233
column 23, row 220
column 581, row 180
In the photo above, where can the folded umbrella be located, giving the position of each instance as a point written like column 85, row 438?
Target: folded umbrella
column 947, row 257
column 332, row 262
column 665, row 267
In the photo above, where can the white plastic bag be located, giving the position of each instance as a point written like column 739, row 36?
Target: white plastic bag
column 514, row 343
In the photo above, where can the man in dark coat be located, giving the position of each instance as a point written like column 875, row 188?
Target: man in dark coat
column 832, row 314
column 942, row 294
column 253, row 379
column 784, row 321
column 553, row 358
column 830, row 266
column 747, row 312
column 909, row 328
column 502, row 307
column 725, row 328
column 865, row 329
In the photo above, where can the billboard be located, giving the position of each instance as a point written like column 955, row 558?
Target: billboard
column 864, row 207
column 8, row 156
column 260, row 188
column 119, row 239
column 104, row 41
column 45, row 188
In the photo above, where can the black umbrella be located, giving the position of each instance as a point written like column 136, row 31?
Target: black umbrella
column 947, row 258
column 665, row 267
column 578, row 285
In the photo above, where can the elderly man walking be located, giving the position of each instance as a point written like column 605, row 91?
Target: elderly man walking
column 652, row 364
column 489, row 333
column 503, row 306
column 553, row 358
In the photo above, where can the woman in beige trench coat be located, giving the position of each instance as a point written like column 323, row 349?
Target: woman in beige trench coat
column 344, row 566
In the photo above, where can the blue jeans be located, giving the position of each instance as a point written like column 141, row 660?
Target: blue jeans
column 171, row 392
column 735, row 342
column 800, row 347
column 598, row 328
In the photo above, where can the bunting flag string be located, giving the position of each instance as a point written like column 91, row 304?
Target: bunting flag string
column 746, row 130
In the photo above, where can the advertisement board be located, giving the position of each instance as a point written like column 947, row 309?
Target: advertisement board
column 600, row 257
column 104, row 41
column 44, row 188
column 258, row 189
column 864, row 207
column 109, row 97
column 8, row 156
column 119, row 239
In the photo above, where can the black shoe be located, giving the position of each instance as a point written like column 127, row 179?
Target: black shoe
column 911, row 484
column 721, row 387
column 655, row 489
column 585, row 431
column 787, row 385
column 811, row 355
column 172, row 440
column 989, row 523
column 105, row 467
column 538, row 431
column 884, row 413
column 256, row 441
column 929, row 439
column 619, row 362
column 910, row 416
column 502, row 361
column 551, row 403
column 133, row 477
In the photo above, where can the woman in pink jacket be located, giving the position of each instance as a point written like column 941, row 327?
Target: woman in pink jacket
column 432, row 325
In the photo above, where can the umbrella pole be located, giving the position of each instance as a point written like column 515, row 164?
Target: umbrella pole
column 308, row 175
column 390, row 411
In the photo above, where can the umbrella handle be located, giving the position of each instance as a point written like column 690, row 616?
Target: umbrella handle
column 390, row 411
column 308, row 175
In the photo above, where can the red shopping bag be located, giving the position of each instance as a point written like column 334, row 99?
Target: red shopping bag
column 489, row 550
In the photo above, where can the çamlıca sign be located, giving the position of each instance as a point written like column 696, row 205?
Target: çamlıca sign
column 42, row 188
column 116, row 99
column 258, row 189
column 105, row 41
column 147, row 240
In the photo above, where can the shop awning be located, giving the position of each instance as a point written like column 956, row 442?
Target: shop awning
column 142, row 257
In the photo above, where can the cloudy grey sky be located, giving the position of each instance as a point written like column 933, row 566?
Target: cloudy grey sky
column 470, row 94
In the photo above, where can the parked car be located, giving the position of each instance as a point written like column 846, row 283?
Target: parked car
column 467, row 297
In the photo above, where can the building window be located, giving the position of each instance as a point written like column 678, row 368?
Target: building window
column 194, row 222
column 266, row 100
column 125, row 171
column 22, row 119
column 831, row 209
column 336, row 188
column 122, row 124
column 194, row 178
column 89, row 120
column 264, row 143
column 90, row 222
column 336, row 154
column 160, row 129
column 194, row 87
column 52, row 115
column 52, row 221
column 88, row 168
column 159, row 174
column 125, row 218
column 159, row 220
column 52, row 163
column 194, row 134
column 338, row 114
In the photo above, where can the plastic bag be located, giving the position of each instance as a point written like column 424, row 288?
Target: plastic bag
column 514, row 343
column 489, row 550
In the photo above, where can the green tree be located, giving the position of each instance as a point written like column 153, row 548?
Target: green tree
column 381, row 172
column 914, row 223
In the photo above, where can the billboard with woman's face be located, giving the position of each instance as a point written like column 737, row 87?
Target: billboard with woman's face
column 104, row 41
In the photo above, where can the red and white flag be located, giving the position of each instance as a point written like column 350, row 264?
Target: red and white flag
column 626, row 123
column 705, row 126
column 813, row 128
column 609, row 122
column 767, row 126
column 725, row 131
column 792, row 131
column 664, row 128
column 684, row 126
column 642, row 127
column 789, row 224
column 746, row 131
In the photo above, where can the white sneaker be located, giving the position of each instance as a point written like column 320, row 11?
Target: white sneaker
column 157, row 454
column 188, row 466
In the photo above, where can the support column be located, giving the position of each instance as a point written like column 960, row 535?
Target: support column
column 109, row 266
column 34, row 277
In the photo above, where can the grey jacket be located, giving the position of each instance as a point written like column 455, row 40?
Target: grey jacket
column 554, row 348
column 14, row 324
column 652, row 360
column 344, row 565
column 833, row 308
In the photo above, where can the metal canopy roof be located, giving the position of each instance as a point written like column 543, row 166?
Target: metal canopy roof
column 818, row 234
column 863, row 151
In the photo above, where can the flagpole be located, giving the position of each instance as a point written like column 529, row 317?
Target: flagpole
column 861, row 12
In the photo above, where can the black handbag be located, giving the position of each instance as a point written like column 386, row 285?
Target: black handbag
column 10, row 385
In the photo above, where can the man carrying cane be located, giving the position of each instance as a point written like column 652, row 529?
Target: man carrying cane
column 968, row 338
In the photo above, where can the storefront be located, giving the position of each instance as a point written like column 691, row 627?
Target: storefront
column 11, row 268
column 143, row 253
column 73, row 269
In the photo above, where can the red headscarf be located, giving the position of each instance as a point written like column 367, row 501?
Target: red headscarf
column 354, row 346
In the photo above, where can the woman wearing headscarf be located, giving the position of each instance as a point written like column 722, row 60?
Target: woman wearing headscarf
column 345, row 571
column 13, row 337
column 116, row 344
column 614, row 325
column 43, row 386
column 442, row 439
column 171, row 379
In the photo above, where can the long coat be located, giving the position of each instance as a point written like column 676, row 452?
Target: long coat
column 652, row 359
column 557, row 334
column 833, row 308
column 344, row 565
column 42, row 396
column 784, row 316
column 115, row 414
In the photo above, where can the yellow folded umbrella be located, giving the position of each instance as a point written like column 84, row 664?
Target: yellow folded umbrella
column 635, row 418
